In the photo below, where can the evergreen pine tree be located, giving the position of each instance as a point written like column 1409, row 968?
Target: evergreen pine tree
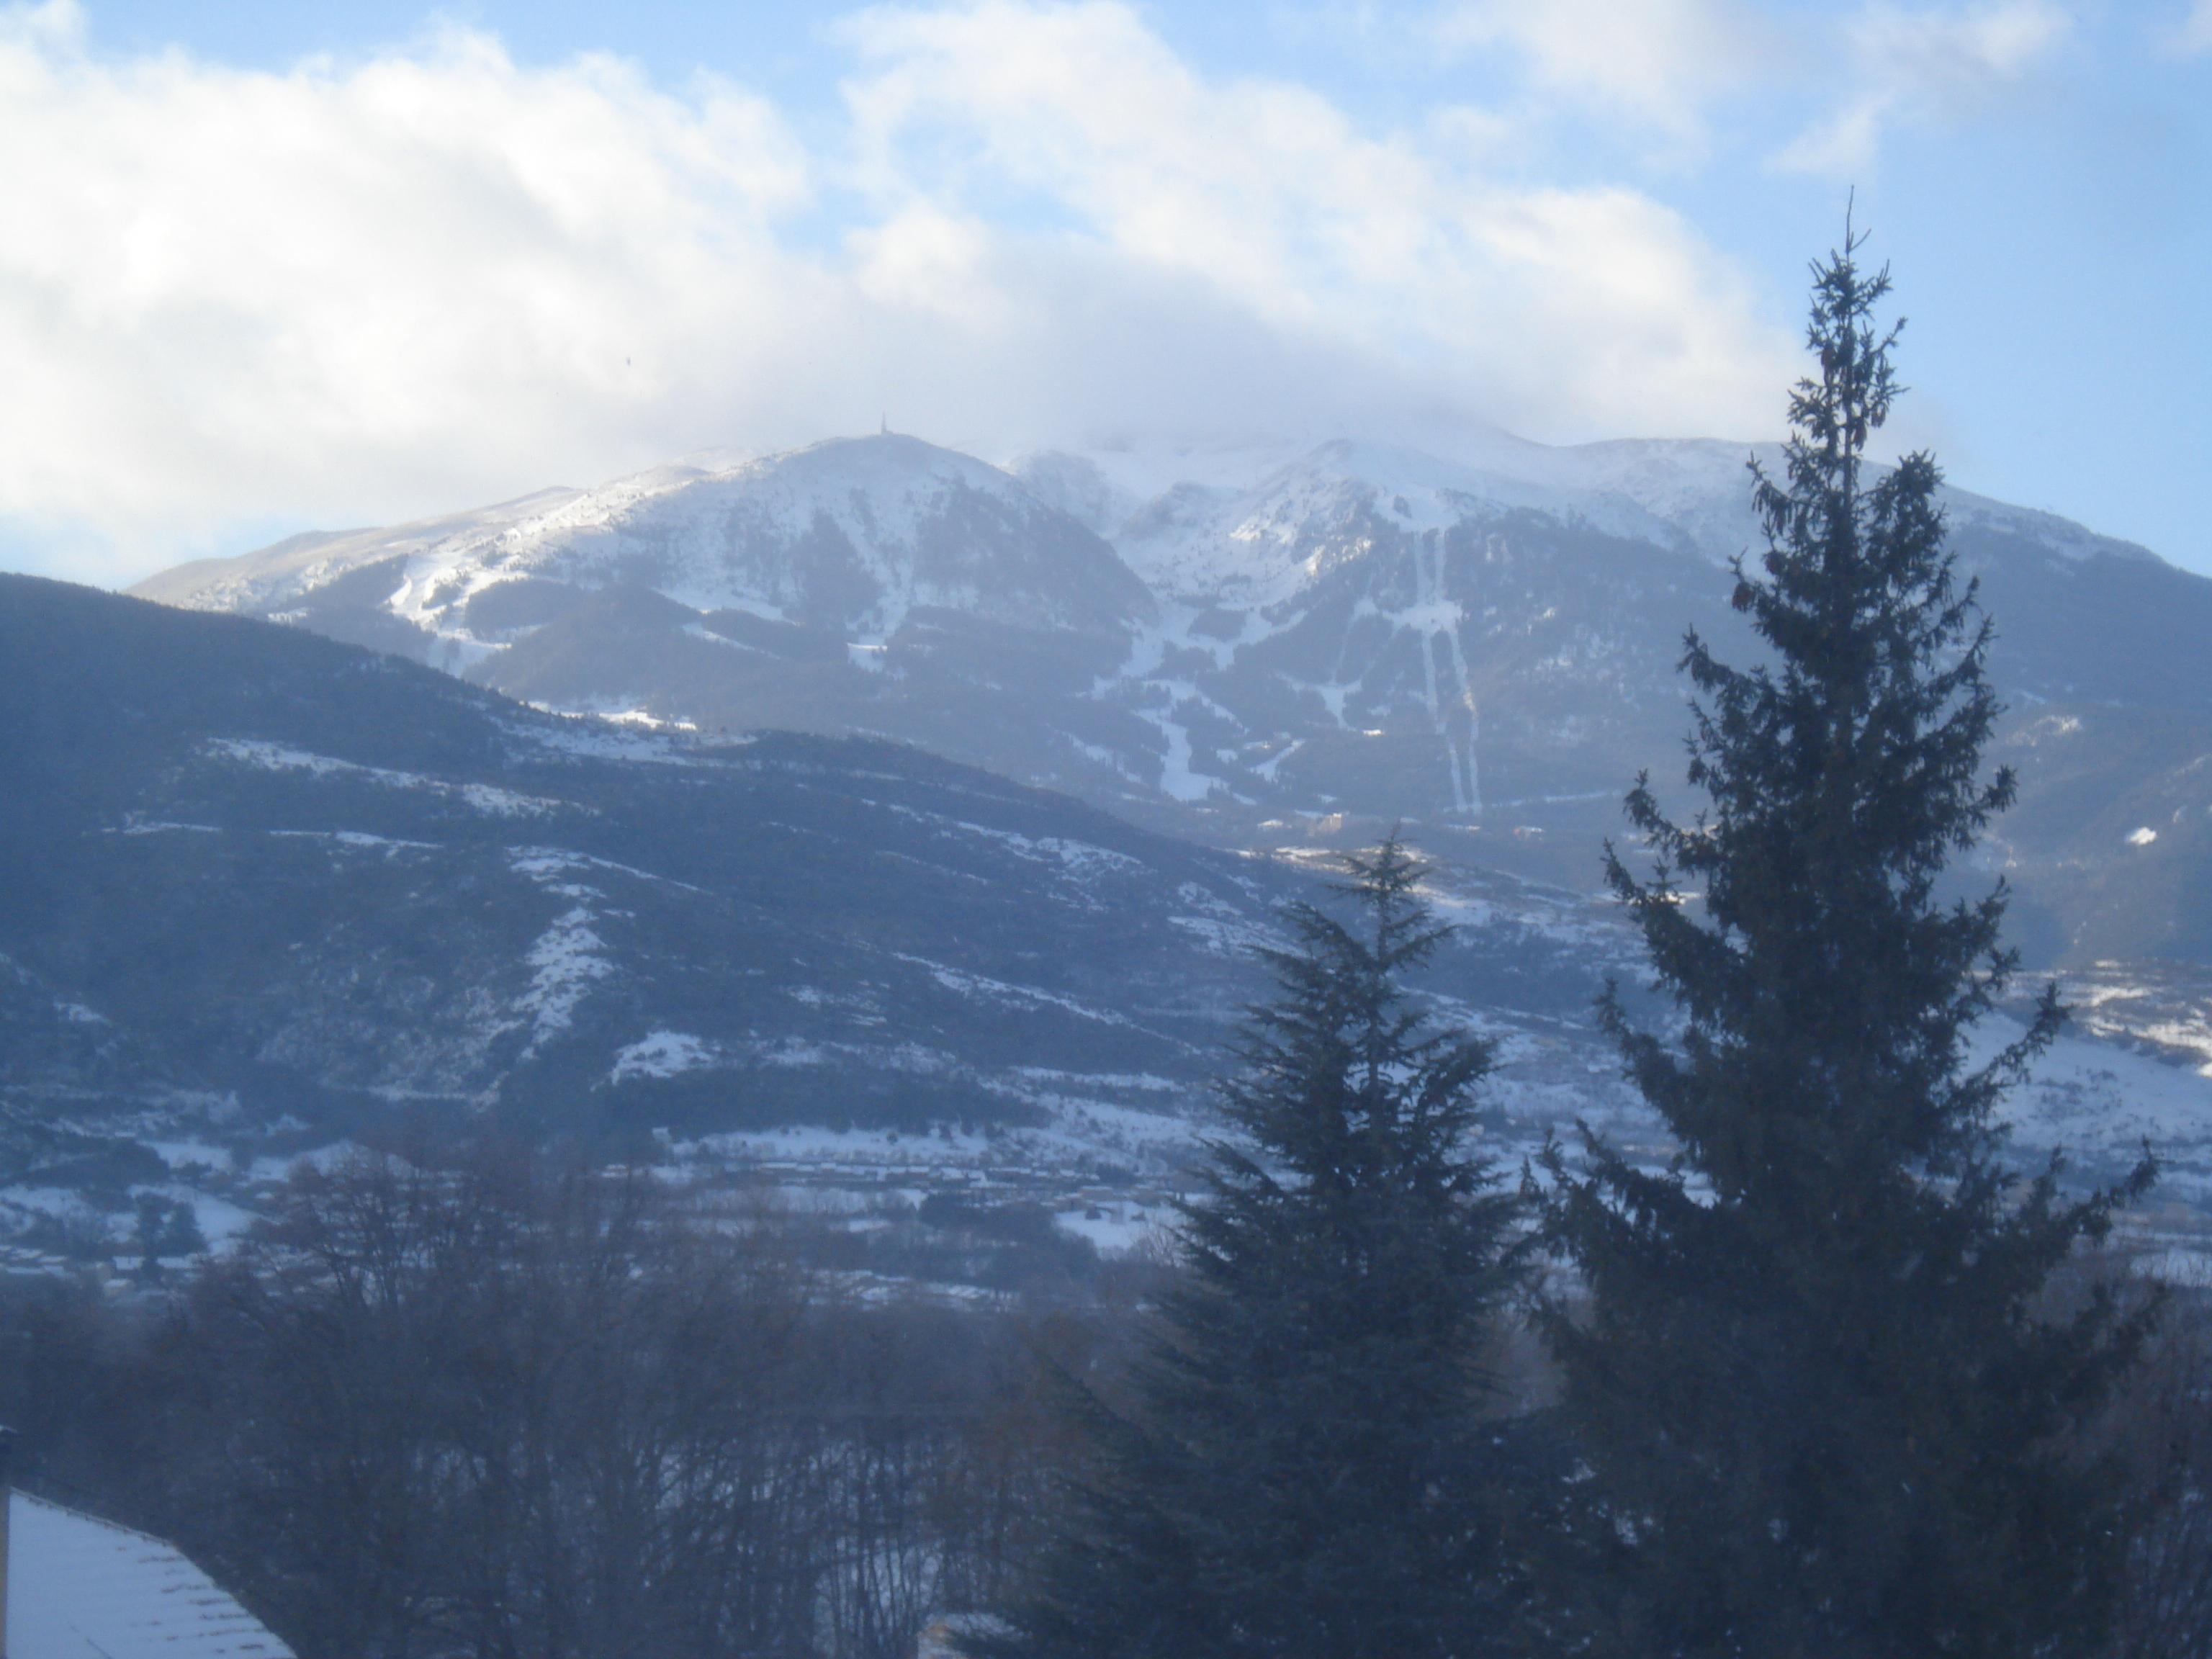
column 1814, row 1381
column 1306, row 1467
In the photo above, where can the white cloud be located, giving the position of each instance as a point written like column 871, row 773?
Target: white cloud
column 227, row 295
column 1659, row 60
column 1928, row 64
column 355, row 292
column 1593, row 309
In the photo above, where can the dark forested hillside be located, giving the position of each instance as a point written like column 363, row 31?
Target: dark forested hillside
column 246, row 860
column 260, row 884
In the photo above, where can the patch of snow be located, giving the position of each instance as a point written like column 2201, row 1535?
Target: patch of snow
column 2127, row 1006
column 588, row 734
column 495, row 802
column 269, row 1169
column 565, row 962
column 1142, row 1082
column 182, row 1154
column 2177, row 1266
column 2095, row 1098
column 1076, row 857
column 2050, row 726
column 1224, row 938
column 998, row 990
column 662, row 1053
column 481, row 798
column 1177, row 780
column 976, row 985
column 222, row 1222
column 543, row 864
column 1114, row 1229
column 358, row 840
column 59, row 1202
column 807, row 1146
column 701, row 631
column 645, row 720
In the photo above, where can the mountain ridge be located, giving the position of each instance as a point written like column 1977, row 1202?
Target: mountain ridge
column 1486, row 646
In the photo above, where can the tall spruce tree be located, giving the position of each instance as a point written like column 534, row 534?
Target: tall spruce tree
column 1304, row 1465
column 1814, row 1379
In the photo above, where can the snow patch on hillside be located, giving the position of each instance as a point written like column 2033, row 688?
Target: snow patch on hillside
column 543, row 864
column 357, row 841
column 2101, row 1104
column 486, row 798
column 589, row 736
column 998, row 990
column 564, row 963
column 568, row 957
column 662, row 1053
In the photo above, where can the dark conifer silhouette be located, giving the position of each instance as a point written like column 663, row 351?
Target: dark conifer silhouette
column 1813, row 1381
column 1307, row 1468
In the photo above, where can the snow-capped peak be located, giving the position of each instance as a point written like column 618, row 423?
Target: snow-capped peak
column 1259, row 543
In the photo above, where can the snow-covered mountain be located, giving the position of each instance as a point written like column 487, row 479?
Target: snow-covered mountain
column 1227, row 641
column 847, row 540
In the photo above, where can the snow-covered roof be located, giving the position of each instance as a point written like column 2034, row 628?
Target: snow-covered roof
column 80, row 1588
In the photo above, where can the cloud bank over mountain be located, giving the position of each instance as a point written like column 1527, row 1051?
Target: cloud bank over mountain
column 235, row 299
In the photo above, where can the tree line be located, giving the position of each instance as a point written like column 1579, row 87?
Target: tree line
column 489, row 1402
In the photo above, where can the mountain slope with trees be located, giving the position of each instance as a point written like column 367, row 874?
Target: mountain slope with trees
column 267, row 891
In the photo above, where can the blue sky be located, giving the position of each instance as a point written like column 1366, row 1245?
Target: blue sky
column 279, row 266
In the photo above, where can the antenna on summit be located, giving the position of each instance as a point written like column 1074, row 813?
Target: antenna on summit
column 884, row 430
